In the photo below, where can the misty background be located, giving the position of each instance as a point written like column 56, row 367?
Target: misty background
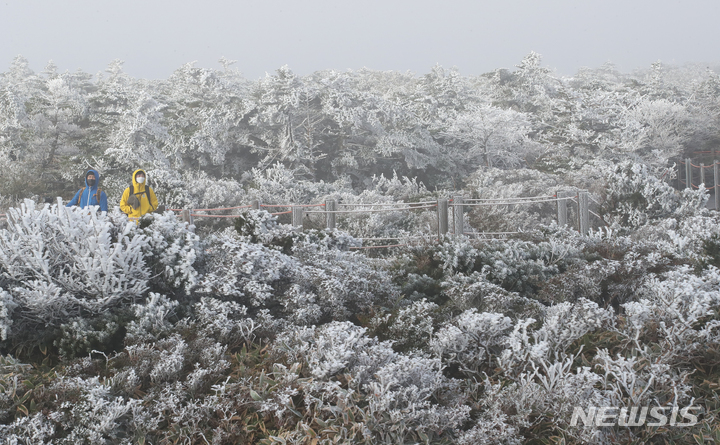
column 154, row 38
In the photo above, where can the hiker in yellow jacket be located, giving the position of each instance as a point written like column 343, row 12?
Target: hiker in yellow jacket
column 139, row 198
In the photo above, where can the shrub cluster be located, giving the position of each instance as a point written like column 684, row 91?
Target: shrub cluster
column 122, row 333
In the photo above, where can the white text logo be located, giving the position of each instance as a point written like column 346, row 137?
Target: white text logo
column 635, row 416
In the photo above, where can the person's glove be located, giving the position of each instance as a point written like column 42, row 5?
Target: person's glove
column 134, row 202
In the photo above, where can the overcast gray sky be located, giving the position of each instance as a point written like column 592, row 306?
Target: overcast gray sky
column 155, row 37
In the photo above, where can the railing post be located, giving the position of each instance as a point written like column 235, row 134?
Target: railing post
column 688, row 173
column 255, row 204
column 297, row 216
column 716, row 175
column 329, row 215
column 442, row 212
column 562, row 207
column 583, row 212
column 186, row 215
column 458, row 221
column 702, row 174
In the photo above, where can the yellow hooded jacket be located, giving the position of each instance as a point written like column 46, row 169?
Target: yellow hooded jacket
column 148, row 200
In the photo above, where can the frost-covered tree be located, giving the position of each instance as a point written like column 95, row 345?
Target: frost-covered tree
column 489, row 136
column 208, row 127
column 656, row 130
column 41, row 125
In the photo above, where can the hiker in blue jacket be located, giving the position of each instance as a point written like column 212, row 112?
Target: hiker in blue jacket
column 90, row 195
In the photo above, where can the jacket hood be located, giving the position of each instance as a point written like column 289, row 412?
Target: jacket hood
column 137, row 186
column 97, row 178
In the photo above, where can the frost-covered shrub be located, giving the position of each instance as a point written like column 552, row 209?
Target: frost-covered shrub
column 390, row 223
column 680, row 306
column 259, row 226
column 418, row 287
column 552, row 390
column 566, row 322
column 81, row 335
column 36, row 429
column 97, row 416
column 6, row 308
column 247, row 272
column 399, row 188
column 345, row 282
column 276, row 185
column 57, row 264
column 457, row 255
column 171, row 251
column 383, row 195
column 400, row 394
column 474, row 291
column 192, row 189
column 84, row 252
column 519, row 265
column 203, row 419
column 224, row 321
column 491, row 427
column 634, row 196
column 471, row 340
column 562, row 324
column 143, row 357
column 170, row 360
column 586, row 280
column 516, row 265
column 609, row 270
column 196, row 361
column 151, row 319
column 400, row 390
column 319, row 281
column 326, row 240
column 329, row 349
column 638, row 380
column 86, row 413
column 544, row 399
column 407, row 327
column 692, row 238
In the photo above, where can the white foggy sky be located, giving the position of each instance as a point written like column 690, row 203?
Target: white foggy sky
column 155, row 37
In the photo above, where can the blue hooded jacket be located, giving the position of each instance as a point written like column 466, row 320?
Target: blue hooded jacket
column 88, row 196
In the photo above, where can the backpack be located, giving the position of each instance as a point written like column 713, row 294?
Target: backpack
column 147, row 189
column 97, row 195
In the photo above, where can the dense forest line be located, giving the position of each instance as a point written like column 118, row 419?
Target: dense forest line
column 206, row 134
column 253, row 331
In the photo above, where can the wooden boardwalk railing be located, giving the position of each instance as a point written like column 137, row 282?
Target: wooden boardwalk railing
column 442, row 206
column 446, row 218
